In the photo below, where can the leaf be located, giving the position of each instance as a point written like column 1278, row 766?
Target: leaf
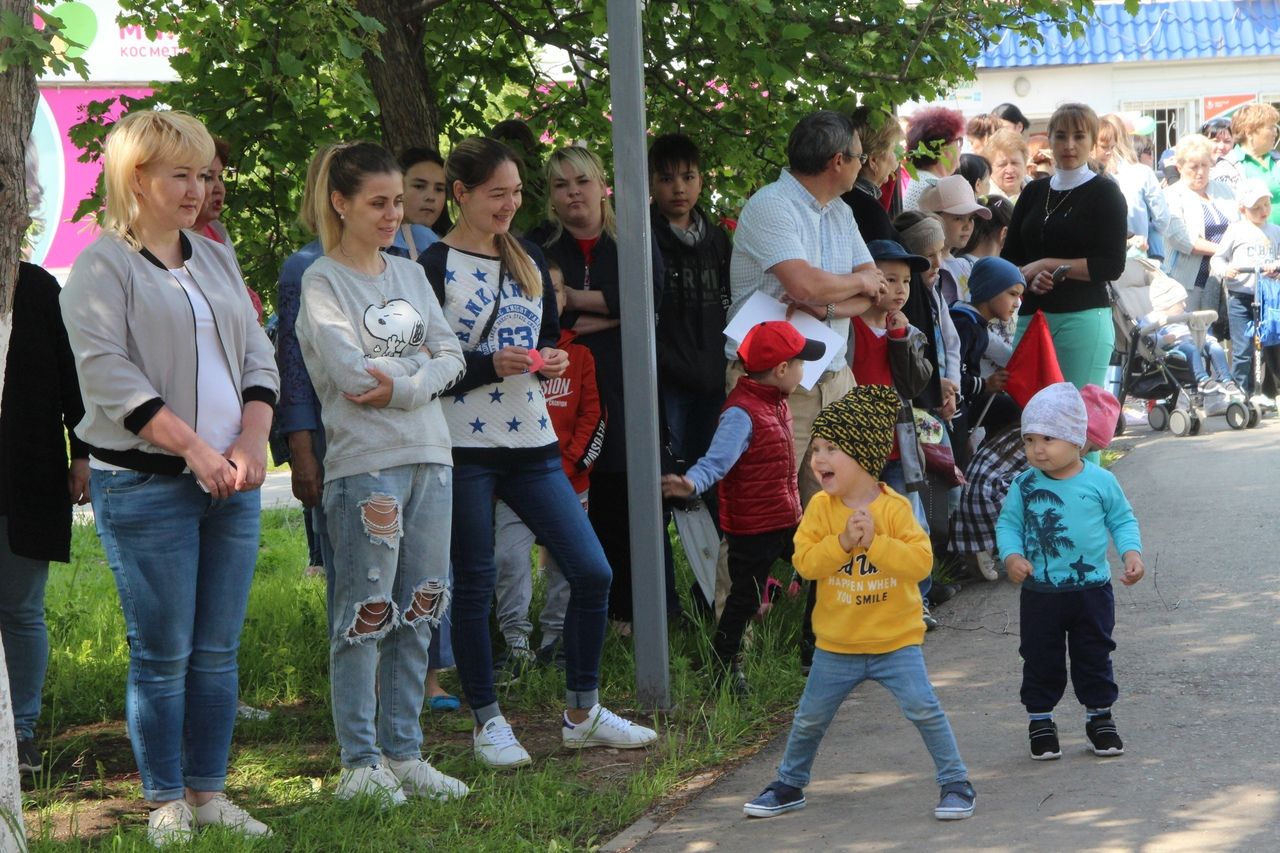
column 797, row 32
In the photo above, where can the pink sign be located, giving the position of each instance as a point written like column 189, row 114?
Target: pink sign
column 63, row 180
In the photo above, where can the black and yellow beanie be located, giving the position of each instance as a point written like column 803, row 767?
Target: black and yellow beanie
column 861, row 423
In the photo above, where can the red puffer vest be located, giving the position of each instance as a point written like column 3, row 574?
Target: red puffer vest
column 759, row 494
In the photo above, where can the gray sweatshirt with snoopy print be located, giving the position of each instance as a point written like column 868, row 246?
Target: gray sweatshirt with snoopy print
column 348, row 322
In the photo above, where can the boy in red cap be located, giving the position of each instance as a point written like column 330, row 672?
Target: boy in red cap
column 752, row 458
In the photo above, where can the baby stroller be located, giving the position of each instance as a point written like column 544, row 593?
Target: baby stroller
column 1147, row 371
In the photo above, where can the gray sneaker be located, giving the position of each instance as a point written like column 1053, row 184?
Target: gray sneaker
column 956, row 801
column 30, row 759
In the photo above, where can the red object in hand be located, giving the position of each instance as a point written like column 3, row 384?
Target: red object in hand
column 1034, row 363
column 537, row 361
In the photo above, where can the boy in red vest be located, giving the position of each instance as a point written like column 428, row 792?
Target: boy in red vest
column 751, row 456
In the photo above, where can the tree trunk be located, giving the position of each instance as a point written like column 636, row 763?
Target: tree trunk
column 18, row 103
column 400, row 79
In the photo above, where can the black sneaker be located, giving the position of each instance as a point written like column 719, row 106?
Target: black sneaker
column 930, row 622
column 551, row 654
column 774, row 800
column 1044, row 740
column 29, row 757
column 1102, row 734
column 731, row 673
column 515, row 664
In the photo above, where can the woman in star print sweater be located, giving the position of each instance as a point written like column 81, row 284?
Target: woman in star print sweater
column 498, row 298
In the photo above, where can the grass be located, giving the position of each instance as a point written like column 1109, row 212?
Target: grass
column 284, row 768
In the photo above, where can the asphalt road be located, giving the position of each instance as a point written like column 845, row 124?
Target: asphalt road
column 1197, row 668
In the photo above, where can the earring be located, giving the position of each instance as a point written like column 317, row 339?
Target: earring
column 342, row 216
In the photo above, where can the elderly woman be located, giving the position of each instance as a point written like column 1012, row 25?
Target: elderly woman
column 1200, row 210
column 179, row 384
column 934, row 136
column 1148, row 213
column 882, row 147
column 1006, row 150
column 1254, row 129
column 1074, row 222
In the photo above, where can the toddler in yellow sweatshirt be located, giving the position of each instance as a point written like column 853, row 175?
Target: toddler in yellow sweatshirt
column 861, row 545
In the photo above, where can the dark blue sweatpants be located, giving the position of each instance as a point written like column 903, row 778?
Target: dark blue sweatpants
column 1053, row 624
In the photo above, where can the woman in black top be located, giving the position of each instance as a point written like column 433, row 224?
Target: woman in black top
column 1075, row 219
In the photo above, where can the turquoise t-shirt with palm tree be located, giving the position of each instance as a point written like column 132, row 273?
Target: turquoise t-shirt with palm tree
column 1062, row 527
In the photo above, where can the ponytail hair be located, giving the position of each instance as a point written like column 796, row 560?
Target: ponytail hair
column 472, row 162
column 342, row 169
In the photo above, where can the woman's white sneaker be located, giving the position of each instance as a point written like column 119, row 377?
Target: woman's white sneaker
column 602, row 727
column 172, row 823
column 496, row 745
column 420, row 779
column 376, row 782
column 220, row 811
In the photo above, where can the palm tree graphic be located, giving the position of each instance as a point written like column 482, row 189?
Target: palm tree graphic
column 1046, row 534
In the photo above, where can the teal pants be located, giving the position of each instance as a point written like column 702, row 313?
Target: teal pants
column 1083, row 340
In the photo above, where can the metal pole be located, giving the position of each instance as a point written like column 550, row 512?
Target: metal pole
column 635, row 263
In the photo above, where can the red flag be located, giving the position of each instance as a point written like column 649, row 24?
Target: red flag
column 1034, row 363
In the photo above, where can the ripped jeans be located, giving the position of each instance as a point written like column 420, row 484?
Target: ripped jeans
column 390, row 579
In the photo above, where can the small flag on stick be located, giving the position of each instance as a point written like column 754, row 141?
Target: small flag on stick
column 1034, row 363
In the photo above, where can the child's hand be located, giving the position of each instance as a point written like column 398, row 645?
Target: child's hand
column 863, row 529
column 1017, row 568
column 895, row 320
column 676, row 486
column 1133, row 568
column 1231, row 273
column 996, row 381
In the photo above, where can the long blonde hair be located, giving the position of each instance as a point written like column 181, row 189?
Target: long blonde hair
column 343, row 169
column 472, row 162
column 307, row 207
column 584, row 162
column 140, row 139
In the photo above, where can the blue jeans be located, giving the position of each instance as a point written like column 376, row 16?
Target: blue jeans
column 26, row 639
column 390, row 533
column 1240, row 317
column 183, row 563
column 834, row 677
column 540, row 494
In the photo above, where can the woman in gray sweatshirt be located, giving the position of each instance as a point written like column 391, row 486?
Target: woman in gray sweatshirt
column 380, row 354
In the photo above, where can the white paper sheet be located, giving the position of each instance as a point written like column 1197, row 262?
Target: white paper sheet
column 760, row 308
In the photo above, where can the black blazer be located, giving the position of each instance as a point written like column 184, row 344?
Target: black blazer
column 40, row 406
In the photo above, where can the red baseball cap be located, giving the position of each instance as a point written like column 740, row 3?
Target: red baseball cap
column 768, row 344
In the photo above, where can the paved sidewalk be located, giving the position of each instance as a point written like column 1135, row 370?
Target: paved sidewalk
column 1198, row 639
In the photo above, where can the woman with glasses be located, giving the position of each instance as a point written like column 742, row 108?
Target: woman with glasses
column 1200, row 209
column 881, row 156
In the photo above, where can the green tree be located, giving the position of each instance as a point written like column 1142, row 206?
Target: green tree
column 277, row 79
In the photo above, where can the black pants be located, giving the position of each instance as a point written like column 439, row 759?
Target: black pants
column 750, row 559
column 607, row 511
column 1053, row 624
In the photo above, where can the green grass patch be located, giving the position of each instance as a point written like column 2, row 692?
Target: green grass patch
column 284, row 768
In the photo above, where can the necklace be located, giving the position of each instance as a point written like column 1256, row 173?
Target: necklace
column 376, row 276
column 1049, row 210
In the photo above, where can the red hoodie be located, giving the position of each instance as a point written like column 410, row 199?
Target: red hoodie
column 573, row 401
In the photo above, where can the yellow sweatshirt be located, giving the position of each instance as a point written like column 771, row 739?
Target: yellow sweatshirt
column 868, row 599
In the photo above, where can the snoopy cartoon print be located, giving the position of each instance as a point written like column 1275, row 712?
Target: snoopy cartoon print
column 398, row 325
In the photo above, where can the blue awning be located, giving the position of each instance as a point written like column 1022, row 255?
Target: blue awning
column 1159, row 32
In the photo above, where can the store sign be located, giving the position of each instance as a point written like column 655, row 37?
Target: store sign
column 113, row 53
column 1222, row 106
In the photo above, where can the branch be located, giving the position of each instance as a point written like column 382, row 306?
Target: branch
column 710, row 115
column 421, row 9
column 552, row 35
column 915, row 48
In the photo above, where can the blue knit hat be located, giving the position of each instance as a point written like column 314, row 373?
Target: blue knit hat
column 990, row 278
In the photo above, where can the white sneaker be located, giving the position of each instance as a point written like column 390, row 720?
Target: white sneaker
column 496, row 745
column 248, row 712
column 1211, row 386
column 172, row 823
column 987, row 565
column 420, row 779
column 602, row 727
column 222, row 812
column 377, row 782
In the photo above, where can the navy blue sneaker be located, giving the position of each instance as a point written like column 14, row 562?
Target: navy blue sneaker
column 956, row 801
column 779, row 797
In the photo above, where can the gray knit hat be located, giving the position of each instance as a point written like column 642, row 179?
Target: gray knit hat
column 1057, row 411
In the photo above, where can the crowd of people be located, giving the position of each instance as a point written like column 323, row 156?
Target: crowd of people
column 446, row 382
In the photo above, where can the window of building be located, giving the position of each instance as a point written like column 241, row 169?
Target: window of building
column 1173, row 118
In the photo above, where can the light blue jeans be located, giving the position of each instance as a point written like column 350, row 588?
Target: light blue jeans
column 834, row 677
column 183, row 563
column 390, row 590
column 25, row 636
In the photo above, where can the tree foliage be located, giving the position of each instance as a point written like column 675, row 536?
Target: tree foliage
column 278, row 79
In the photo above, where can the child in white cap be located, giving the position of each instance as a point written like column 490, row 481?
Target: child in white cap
column 1250, row 243
column 1052, row 534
